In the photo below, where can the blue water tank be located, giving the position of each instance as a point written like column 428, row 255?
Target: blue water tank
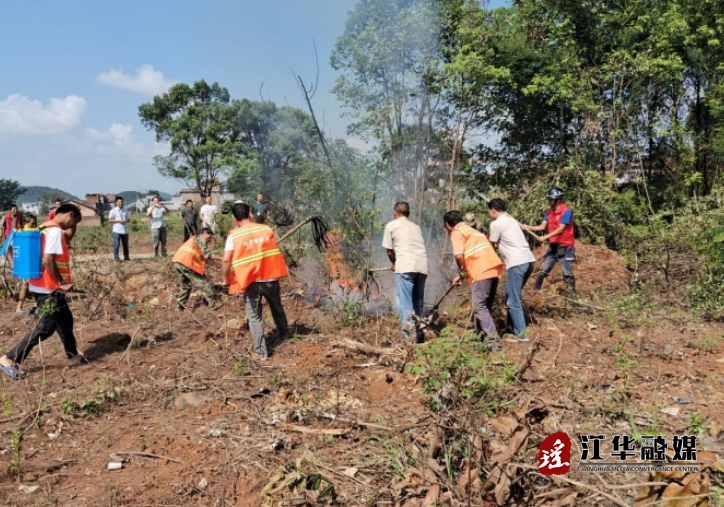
column 27, row 260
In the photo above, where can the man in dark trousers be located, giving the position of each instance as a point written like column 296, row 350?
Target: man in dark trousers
column 120, row 217
column 49, row 293
column 261, row 209
column 561, row 241
column 190, row 219
column 253, row 266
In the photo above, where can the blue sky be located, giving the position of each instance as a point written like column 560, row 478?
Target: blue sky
column 74, row 74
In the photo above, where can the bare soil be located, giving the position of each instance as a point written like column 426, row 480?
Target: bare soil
column 198, row 421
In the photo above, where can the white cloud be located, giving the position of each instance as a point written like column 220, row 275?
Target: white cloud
column 147, row 80
column 21, row 115
column 118, row 134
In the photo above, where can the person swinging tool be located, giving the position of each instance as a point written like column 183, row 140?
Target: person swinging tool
column 253, row 265
column 189, row 262
column 476, row 257
column 561, row 241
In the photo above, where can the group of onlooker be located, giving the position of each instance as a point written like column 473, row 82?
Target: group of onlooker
column 120, row 218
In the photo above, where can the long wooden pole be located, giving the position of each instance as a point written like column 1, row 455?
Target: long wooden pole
column 295, row 229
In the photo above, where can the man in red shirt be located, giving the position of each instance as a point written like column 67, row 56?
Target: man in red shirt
column 561, row 241
column 51, row 215
column 12, row 220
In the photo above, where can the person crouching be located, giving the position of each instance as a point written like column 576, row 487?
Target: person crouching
column 189, row 262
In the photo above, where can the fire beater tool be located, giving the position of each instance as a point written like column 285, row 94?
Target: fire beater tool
column 424, row 322
column 369, row 272
column 319, row 231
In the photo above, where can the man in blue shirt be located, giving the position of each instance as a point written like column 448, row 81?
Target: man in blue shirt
column 120, row 217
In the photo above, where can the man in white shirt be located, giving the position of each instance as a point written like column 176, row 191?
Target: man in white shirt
column 158, row 225
column 120, row 217
column 208, row 214
column 507, row 236
column 406, row 250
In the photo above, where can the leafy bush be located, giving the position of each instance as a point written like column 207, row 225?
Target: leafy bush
column 455, row 368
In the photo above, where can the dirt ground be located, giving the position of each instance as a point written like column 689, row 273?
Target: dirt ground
column 197, row 421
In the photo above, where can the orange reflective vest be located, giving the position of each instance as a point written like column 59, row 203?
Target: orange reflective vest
column 62, row 261
column 190, row 255
column 256, row 257
column 481, row 260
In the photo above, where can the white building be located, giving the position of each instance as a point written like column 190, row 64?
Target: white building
column 31, row 207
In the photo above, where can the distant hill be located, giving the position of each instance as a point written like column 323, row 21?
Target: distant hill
column 130, row 196
column 33, row 193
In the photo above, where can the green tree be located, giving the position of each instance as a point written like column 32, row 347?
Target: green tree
column 10, row 190
column 388, row 54
column 286, row 160
column 199, row 124
column 48, row 198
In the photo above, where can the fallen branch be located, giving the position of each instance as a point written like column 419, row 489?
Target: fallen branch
column 355, row 422
column 579, row 303
column 367, row 349
column 146, row 455
column 316, row 431
column 662, row 501
column 130, row 344
column 21, row 417
column 528, row 360
column 571, row 481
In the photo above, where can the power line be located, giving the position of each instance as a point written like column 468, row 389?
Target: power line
column 72, row 156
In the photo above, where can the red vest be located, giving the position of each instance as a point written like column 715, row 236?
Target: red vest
column 554, row 219
column 61, row 261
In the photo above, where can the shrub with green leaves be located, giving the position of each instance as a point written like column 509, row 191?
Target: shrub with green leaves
column 455, row 368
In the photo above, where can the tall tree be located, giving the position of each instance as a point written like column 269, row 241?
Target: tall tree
column 199, row 124
column 286, row 159
column 388, row 53
column 10, row 190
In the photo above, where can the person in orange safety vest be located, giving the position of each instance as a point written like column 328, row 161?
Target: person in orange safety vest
column 189, row 262
column 49, row 293
column 253, row 265
column 475, row 256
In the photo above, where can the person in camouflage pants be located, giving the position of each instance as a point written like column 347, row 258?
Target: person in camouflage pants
column 189, row 262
